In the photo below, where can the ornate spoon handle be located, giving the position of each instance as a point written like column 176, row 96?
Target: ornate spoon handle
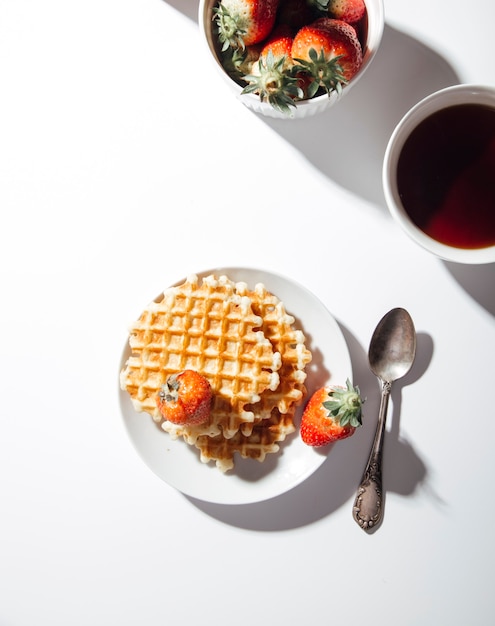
column 368, row 505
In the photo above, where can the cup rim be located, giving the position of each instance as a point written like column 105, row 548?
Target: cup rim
column 448, row 96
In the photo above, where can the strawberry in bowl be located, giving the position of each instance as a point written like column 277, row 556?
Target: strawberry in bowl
column 332, row 42
column 242, row 23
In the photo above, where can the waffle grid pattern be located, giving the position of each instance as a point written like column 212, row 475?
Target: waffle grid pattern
column 210, row 329
column 244, row 342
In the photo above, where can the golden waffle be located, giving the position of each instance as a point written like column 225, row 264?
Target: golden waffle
column 209, row 328
column 275, row 410
column 278, row 327
column 244, row 342
column 264, row 439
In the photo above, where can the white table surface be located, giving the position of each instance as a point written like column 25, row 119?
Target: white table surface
column 126, row 164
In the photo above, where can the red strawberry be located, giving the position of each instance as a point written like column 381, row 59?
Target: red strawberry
column 185, row 398
column 351, row 11
column 242, row 23
column 332, row 413
column 279, row 42
column 329, row 51
column 271, row 76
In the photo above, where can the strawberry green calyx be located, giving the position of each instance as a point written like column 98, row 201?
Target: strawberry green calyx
column 323, row 72
column 239, row 63
column 274, row 84
column 230, row 29
column 321, row 5
column 345, row 405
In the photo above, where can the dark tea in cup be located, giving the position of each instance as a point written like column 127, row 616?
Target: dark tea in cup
column 446, row 175
column 439, row 173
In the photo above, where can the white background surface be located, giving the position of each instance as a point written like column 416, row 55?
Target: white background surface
column 124, row 165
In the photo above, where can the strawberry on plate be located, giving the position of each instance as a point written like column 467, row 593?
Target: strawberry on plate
column 185, row 398
column 242, row 23
column 329, row 52
column 332, row 413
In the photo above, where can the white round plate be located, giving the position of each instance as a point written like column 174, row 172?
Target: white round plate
column 250, row 481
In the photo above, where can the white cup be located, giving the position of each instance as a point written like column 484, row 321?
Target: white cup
column 397, row 197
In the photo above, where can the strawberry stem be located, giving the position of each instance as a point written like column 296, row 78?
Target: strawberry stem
column 325, row 73
column 321, row 5
column 230, row 29
column 346, row 405
column 273, row 84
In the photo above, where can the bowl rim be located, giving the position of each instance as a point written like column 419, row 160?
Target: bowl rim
column 465, row 93
column 373, row 41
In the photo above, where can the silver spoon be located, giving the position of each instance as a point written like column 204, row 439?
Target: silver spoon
column 391, row 355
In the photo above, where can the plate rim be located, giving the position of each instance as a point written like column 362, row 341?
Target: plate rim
column 249, row 496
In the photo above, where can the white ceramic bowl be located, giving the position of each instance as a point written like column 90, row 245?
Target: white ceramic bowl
column 448, row 97
column 305, row 108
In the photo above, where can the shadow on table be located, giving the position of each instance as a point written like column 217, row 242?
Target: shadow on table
column 403, row 72
column 335, row 483
column 356, row 131
column 478, row 281
column 188, row 7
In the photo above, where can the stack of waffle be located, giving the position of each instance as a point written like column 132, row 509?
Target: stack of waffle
column 244, row 342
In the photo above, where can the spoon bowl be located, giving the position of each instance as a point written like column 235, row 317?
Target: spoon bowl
column 393, row 346
column 391, row 355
